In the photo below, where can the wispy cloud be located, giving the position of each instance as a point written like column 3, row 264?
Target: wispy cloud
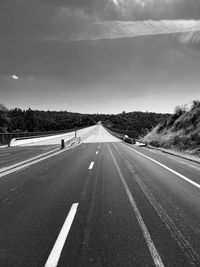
column 115, row 2
column 145, row 9
column 189, row 37
column 185, row 30
column 129, row 3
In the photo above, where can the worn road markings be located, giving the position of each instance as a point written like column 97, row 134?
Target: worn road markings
column 154, row 253
column 184, row 244
column 58, row 246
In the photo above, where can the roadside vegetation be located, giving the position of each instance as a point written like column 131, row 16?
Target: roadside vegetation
column 181, row 131
column 134, row 124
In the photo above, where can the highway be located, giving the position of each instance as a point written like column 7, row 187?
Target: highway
column 100, row 203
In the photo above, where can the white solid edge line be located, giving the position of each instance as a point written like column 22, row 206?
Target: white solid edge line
column 2, row 155
column 165, row 167
column 153, row 251
column 23, row 166
column 28, row 164
column 54, row 256
column 27, row 160
column 91, row 165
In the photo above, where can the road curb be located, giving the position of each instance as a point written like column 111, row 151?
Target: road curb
column 175, row 154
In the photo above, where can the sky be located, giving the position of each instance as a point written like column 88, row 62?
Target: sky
column 99, row 56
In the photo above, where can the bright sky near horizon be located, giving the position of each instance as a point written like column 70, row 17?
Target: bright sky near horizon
column 101, row 56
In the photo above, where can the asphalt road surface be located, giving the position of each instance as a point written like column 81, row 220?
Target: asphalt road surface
column 100, row 203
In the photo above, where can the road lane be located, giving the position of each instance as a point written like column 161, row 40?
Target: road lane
column 185, row 167
column 110, row 234
column 35, row 202
column 33, row 213
column 108, row 237
column 152, row 249
column 178, row 199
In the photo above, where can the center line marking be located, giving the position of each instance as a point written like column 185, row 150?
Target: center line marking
column 58, row 246
column 91, row 165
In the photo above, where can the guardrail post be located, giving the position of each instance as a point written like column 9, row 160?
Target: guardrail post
column 62, row 143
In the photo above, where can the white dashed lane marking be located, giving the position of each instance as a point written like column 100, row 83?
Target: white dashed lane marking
column 59, row 244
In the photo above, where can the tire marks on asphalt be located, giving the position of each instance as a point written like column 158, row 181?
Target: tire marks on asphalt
column 183, row 243
column 150, row 244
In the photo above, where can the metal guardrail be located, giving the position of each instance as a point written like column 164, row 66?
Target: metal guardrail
column 123, row 137
column 76, row 140
column 118, row 135
column 70, row 142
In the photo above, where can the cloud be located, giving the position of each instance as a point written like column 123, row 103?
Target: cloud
column 73, row 20
column 192, row 37
column 153, row 9
column 186, row 30
column 15, row 77
column 115, row 2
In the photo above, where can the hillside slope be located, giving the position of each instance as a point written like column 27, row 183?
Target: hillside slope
column 181, row 131
column 134, row 123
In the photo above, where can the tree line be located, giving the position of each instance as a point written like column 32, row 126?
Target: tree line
column 135, row 124
column 21, row 120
